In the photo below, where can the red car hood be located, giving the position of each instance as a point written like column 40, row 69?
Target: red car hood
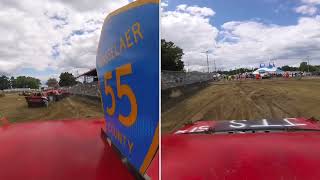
column 60, row 150
column 246, row 155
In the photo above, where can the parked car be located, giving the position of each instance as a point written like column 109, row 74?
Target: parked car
column 38, row 99
column 53, row 95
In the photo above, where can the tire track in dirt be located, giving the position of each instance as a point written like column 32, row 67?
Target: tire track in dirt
column 272, row 99
column 188, row 109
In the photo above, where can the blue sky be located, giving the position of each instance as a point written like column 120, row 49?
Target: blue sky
column 271, row 11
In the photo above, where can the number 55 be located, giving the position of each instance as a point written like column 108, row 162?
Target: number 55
column 122, row 90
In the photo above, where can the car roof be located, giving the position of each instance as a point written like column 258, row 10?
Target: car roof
column 279, row 155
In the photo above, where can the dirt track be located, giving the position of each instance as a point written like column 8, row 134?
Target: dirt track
column 246, row 100
column 15, row 109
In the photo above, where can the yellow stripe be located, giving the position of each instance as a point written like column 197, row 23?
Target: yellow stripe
column 152, row 150
column 131, row 6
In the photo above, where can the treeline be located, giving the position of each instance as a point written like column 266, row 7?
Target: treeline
column 171, row 56
column 237, row 71
column 171, row 59
column 66, row 79
column 303, row 67
column 19, row 82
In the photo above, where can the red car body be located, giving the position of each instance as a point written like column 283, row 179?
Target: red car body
column 286, row 149
column 73, row 149
column 37, row 99
column 64, row 93
column 54, row 95
column 70, row 149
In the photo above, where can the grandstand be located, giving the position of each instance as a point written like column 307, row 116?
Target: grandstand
column 89, row 76
column 89, row 87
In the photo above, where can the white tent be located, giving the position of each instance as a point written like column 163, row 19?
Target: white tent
column 268, row 70
column 271, row 69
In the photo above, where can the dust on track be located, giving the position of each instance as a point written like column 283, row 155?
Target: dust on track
column 15, row 109
column 271, row 99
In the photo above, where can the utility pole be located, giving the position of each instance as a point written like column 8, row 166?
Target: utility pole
column 214, row 63
column 207, row 53
column 187, row 66
column 207, row 60
column 308, row 64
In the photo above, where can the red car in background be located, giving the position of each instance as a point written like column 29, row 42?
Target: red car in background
column 64, row 93
column 37, row 99
column 53, row 95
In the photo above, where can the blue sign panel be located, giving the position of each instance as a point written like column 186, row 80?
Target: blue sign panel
column 128, row 72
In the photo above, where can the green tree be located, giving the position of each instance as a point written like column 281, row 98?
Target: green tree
column 52, row 82
column 67, row 79
column 289, row 68
column 27, row 82
column 4, row 82
column 285, row 68
column 12, row 82
column 171, row 56
column 303, row 66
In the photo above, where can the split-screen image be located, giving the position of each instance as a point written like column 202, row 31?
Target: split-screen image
column 159, row 89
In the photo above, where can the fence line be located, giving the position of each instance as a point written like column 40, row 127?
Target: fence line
column 86, row 89
column 170, row 79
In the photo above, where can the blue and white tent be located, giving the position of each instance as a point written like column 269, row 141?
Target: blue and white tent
column 271, row 69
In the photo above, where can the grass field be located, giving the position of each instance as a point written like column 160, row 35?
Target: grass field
column 15, row 109
column 246, row 100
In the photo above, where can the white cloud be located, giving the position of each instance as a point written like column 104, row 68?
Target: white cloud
column 240, row 43
column 41, row 34
column 164, row 4
column 89, row 5
column 247, row 43
column 311, row 1
column 195, row 10
column 189, row 28
column 306, row 9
